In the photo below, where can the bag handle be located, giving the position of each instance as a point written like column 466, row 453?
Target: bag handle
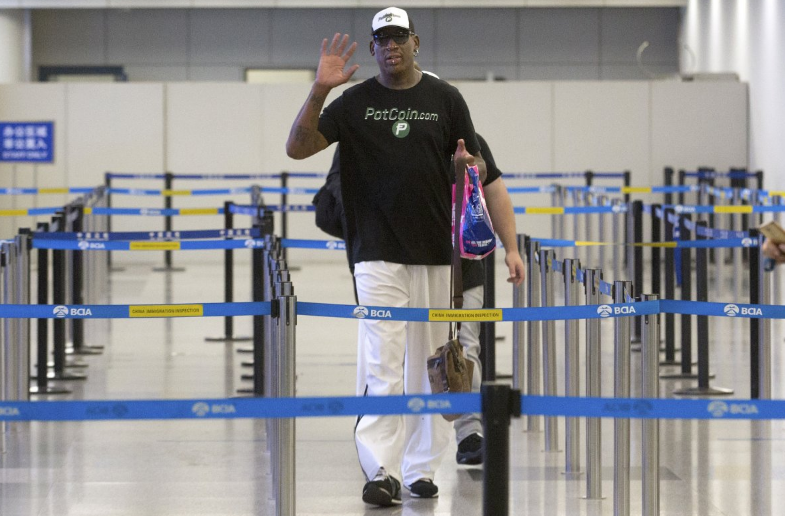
column 456, row 275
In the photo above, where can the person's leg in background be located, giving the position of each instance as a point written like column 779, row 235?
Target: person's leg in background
column 468, row 428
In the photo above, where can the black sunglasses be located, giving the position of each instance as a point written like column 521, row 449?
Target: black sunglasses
column 400, row 38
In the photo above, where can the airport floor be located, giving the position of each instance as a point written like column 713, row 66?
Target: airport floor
column 222, row 467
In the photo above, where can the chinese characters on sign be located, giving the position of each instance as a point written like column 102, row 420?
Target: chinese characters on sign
column 27, row 142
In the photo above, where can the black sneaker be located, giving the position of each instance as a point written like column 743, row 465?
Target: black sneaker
column 470, row 450
column 424, row 488
column 383, row 490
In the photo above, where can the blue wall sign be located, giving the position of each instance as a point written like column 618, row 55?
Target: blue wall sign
column 27, row 142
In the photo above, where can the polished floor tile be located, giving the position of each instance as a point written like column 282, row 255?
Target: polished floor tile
column 174, row 468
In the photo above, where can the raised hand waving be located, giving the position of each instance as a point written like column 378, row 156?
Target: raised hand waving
column 332, row 69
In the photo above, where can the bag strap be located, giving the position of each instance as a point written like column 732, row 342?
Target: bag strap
column 456, row 275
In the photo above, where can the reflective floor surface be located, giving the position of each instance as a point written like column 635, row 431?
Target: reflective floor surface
column 174, row 468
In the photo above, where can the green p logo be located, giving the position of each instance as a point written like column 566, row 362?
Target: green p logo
column 400, row 129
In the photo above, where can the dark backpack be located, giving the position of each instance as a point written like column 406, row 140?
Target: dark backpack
column 328, row 203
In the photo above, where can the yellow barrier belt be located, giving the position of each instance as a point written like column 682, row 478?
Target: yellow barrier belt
column 198, row 211
column 733, row 209
column 175, row 192
column 545, row 210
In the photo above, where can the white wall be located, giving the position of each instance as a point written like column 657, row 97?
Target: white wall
column 224, row 128
column 746, row 37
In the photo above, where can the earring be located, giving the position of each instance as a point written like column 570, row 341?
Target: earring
column 416, row 52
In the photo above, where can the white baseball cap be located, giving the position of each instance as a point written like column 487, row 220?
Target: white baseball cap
column 390, row 17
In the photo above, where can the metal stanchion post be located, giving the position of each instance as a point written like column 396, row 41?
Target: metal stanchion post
column 557, row 230
column 737, row 251
column 168, row 267
column 284, row 204
column 42, row 386
column 488, row 328
column 650, row 434
column 23, row 245
column 765, row 345
column 656, row 235
column 670, row 290
column 682, row 177
column 549, row 348
column 616, row 206
column 591, row 282
column 287, row 321
column 499, row 402
column 601, row 201
column 59, row 323
column 776, row 298
column 228, row 280
column 572, row 431
column 702, row 294
column 637, row 254
column 108, row 185
column 4, row 343
column 9, row 372
column 622, row 290
column 589, row 200
column 668, row 173
column 77, row 291
column 519, row 327
column 534, row 356
column 756, row 326
column 686, row 295
column 576, row 219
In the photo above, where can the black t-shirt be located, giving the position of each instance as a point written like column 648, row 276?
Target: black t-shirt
column 473, row 270
column 395, row 148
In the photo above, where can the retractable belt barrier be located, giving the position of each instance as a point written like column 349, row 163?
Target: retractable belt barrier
column 716, row 243
column 210, row 191
column 172, row 241
column 44, row 191
column 550, row 313
column 273, row 408
column 149, row 235
column 216, row 177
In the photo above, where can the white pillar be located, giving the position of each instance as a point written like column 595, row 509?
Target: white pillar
column 15, row 48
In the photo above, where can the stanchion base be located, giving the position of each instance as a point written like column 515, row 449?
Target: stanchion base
column 85, row 350
column 247, row 364
column 704, row 391
column 244, row 350
column 227, row 339
column 66, row 377
column 247, row 391
column 295, row 268
column 682, row 376
column 503, row 376
column 675, row 363
column 246, row 377
column 635, row 348
column 69, row 364
column 500, row 338
column 45, row 391
column 169, row 269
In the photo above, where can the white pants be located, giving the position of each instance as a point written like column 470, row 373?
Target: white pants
column 469, row 424
column 391, row 360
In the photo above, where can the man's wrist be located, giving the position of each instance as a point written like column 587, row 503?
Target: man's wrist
column 320, row 90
